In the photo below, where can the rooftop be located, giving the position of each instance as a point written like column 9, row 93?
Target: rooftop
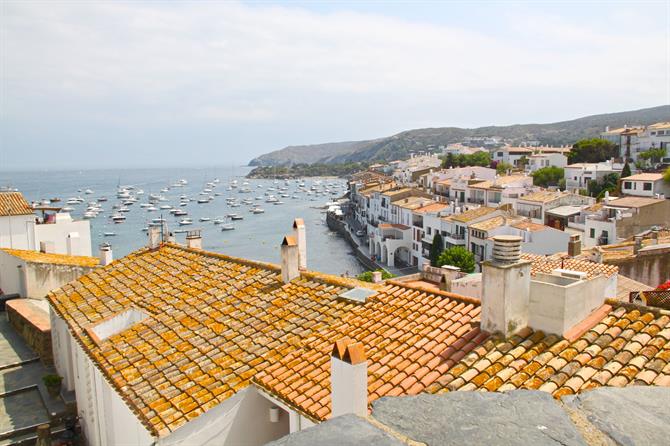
column 644, row 177
column 633, row 202
column 411, row 337
column 213, row 323
column 527, row 225
column 632, row 416
column 56, row 259
column 625, row 345
column 543, row 196
column 547, row 264
column 471, row 214
column 501, row 181
column 13, row 203
column 490, row 223
column 432, row 207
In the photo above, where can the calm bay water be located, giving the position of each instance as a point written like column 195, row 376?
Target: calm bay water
column 256, row 237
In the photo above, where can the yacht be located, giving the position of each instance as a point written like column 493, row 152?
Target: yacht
column 236, row 217
column 118, row 218
column 205, row 219
column 109, row 234
column 180, row 213
column 186, row 221
column 258, row 210
column 227, row 227
column 165, row 206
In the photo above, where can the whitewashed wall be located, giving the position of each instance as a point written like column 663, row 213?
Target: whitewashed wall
column 10, row 275
column 17, row 232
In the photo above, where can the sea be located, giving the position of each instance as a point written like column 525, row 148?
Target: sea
column 257, row 236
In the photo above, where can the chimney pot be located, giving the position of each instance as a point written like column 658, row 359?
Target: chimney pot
column 301, row 239
column 154, row 237
column 349, row 378
column 194, row 239
column 638, row 244
column 376, row 276
column 290, row 262
column 106, row 255
column 574, row 245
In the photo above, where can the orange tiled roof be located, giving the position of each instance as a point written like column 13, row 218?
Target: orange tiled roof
column 432, row 207
column 411, row 337
column 471, row 214
column 543, row 264
column 627, row 345
column 213, row 322
column 57, row 259
column 644, row 177
column 13, row 203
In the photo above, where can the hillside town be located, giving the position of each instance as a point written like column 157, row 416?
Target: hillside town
column 481, row 280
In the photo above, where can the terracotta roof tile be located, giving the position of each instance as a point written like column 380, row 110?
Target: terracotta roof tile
column 405, row 353
column 204, row 338
column 13, row 203
column 56, row 259
column 634, row 357
column 543, row 264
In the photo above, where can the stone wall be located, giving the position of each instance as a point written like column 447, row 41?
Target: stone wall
column 651, row 266
column 32, row 323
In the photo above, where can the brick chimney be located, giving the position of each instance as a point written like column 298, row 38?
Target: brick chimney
column 301, row 238
column 574, row 245
column 289, row 259
column 505, row 287
column 194, row 239
column 154, row 237
column 348, row 378
column 105, row 253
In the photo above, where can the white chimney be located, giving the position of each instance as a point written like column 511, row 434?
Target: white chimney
column 72, row 243
column 505, row 287
column 289, row 259
column 376, row 276
column 154, row 237
column 301, row 238
column 348, row 379
column 194, row 239
column 105, row 254
column 48, row 247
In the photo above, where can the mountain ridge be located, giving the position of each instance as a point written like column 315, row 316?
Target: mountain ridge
column 399, row 146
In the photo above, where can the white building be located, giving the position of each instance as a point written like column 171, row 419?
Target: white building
column 539, row 161
column 645, row 185
column 20, row 228
column 633, row 140
column 512, row 155
column 578, row 175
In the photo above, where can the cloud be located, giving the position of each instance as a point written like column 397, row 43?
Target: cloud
column 129, row 64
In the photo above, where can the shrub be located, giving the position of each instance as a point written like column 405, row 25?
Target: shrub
column 52, row 380
column 367, row 275
column 459, row 257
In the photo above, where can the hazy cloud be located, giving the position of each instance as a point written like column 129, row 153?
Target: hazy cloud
column 93, row 76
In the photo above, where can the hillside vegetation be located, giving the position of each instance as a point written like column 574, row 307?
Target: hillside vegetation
column 399, row 146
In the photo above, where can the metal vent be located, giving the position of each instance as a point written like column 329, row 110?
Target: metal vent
column 358, row 294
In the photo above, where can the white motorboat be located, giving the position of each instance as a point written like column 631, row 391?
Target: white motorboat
column 186, row 221
column 257, row 210
column 227, row 227
column 118, row 218
column 204, row 219
column 109, row 234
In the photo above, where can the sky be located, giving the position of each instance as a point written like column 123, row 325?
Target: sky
column 104, row 84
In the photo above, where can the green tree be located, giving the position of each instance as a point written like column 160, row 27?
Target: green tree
column 610, row 183
column 521, row 162
column 436, row 248
column 458, row 256
column 448, row 160
column 626, row 171
column 652, row 155
column 502, row 167
column 367, row 275
column 592, row 150
column 666, row 175
column 548, row 176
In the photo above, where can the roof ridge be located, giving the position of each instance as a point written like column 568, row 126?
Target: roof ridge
column 221, row 256
column 628, row 306
column 425, row 289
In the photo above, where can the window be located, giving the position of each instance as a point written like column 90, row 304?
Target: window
column 592, row 233
column 500, row 154
column 429, row 230
column 646, row 186
column 627, row 185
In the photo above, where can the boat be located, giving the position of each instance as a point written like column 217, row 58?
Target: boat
column 180, row 213
column 205, row 219
column 218, row 221
column 227, row 227
column 101, row 199
column 180, row 231
column 186, row 221
column 109, row 234
column 67, row 209
column 145, row 229
column 88, row 191
column 257, row 210
column 152, row 209
column 203, row 200
column 237, row 217
column 165, row 206
column 158, row 220
column 118, row 218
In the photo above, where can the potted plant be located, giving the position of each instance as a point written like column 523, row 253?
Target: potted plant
column 52, row 383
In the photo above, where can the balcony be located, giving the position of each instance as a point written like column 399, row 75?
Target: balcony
column 455, row 239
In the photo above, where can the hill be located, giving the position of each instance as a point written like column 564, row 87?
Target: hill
column 400, row 145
